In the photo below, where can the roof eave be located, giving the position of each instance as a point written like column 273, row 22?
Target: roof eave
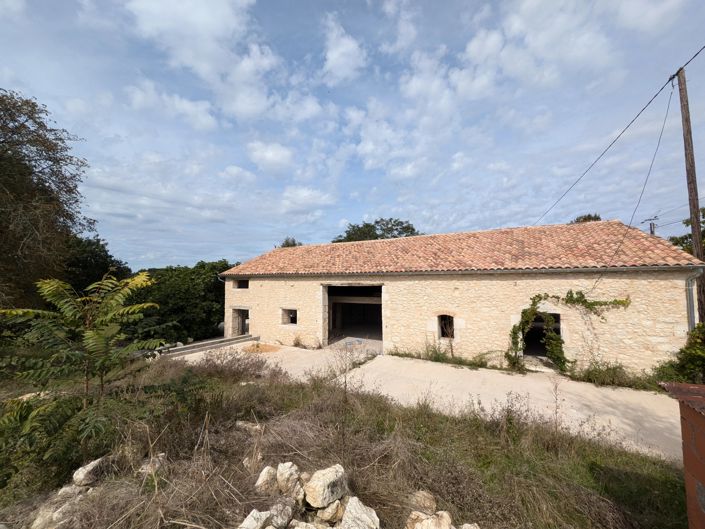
column 643, row 268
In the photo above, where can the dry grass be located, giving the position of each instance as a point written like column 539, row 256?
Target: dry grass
column 260, row 347
column 501, row 468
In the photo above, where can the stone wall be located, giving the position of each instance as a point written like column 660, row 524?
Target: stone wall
column 484, row 307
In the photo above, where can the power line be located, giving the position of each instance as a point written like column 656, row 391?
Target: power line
column 658, row 213
column 641, row 194
column 669, row 224
column 658, row 92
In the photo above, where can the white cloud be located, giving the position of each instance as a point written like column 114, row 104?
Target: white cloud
column 195, row 34
column 297, row 107
column 244, row 94
column 10, row 8
column 299, row 199
column 270, row 157
column 214, row 40
column 344, row 56
column 145, row 95
column 652, row 16
column 237, row 175
column 406, row 30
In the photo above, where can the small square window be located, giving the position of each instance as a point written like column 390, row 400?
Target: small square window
column 446, row 326
column 289, row 317
column 242, row 283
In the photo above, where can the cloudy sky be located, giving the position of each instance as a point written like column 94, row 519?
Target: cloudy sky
column 216, row 128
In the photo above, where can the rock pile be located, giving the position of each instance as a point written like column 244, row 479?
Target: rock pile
column 325, row 501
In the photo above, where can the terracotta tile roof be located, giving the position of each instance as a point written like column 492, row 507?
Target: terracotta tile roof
column 554, row 247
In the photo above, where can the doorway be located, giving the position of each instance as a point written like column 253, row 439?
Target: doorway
column 241, row 322
column 355, row 312
column 534, row 343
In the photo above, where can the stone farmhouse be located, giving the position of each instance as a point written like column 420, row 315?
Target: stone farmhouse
column 469, row 289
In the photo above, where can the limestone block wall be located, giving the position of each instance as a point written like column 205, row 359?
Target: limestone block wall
column 484, row 307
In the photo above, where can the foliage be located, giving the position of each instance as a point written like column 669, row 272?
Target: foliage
column 382, row 228
column 602, row 373
column 588, row 217
column 191, row 302
column 89, row 260
column 499, row 467
column 39, row 197
column 689, row 363
column 438, row 353
column 83, row 335
column 686, row 241
column 551, row 339
column 290, row 242
column 80, row 342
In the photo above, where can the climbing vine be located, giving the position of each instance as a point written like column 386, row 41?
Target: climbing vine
column 551, row 339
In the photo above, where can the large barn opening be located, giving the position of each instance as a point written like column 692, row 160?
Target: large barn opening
column 534, row 338
column 354, row 312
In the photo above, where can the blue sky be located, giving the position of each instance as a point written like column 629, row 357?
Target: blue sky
column 215, row 129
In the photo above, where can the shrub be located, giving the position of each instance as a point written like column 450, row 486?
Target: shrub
column 603, row 373
column 435, row 352
column 689, row 363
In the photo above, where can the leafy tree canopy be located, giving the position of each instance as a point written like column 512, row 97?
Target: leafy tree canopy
column 588, row 217
column 191, row 302
column 382, row 228
column 89, row 260
column 686, row 241
column 290, row 242
column 39, row 197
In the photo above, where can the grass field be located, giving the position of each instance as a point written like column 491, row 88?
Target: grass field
column 508, row 471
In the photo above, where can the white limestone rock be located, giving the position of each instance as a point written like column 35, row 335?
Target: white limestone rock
column 256, row 520
column 419, row 520
column 282, row 513
column 297, row 524
column 90, row 473
column 267, row 481
column 152, row 465
column 288, row 481
column 252, row 428
column 326, row 486
column 252, row 462
column 358, row 516
column 333, row 513
column 469, row 526
column 422, row 501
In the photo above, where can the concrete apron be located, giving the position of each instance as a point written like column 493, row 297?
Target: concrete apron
column 642, row 421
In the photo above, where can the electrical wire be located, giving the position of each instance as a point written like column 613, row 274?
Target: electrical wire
column 669, row 224
column 601, row 155
column 641, row 195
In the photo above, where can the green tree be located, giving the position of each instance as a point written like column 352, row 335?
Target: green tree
column 84, row 334
column 686, row 241
column 191, row 302
column 290, row 242
column 89, row 260
column 45, row 436
column 39, row 197
column 382, row 228
column 588, row 217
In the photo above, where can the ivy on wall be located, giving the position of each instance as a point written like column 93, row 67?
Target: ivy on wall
column 551, row 339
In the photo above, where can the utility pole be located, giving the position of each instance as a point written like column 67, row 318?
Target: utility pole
column 652, row 228
column 692, row 188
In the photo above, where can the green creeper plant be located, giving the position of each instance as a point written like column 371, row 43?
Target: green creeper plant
column 551, row 339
